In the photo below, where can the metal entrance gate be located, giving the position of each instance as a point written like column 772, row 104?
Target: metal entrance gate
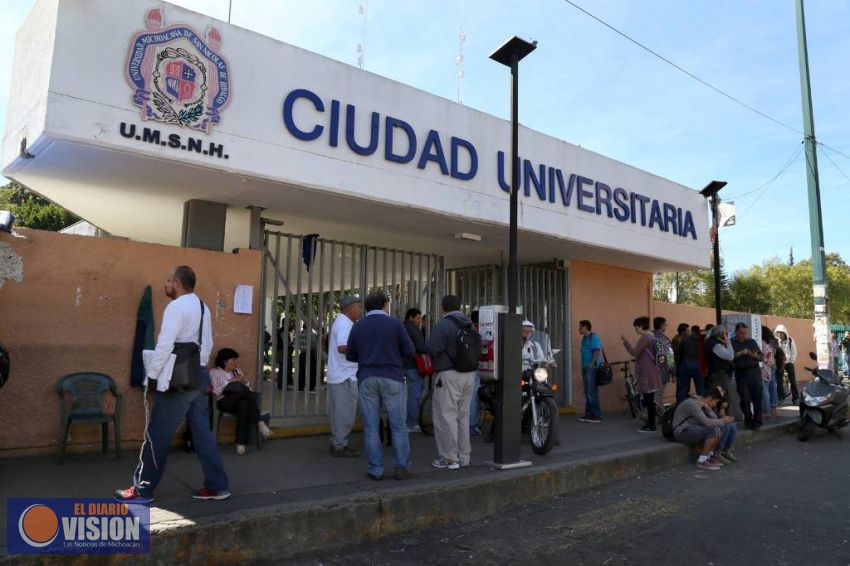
column 303, row 280
column 543, row 297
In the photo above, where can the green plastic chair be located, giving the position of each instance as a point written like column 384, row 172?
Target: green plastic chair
column 86, row 390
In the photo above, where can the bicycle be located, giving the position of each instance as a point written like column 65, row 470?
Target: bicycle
column 633, row 399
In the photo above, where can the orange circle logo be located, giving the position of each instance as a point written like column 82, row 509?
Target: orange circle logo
column 38, row 525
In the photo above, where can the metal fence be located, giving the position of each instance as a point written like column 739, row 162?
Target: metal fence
column 543, row 297
column 304, row 279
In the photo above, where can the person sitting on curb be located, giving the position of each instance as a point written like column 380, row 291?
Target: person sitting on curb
column 691, row 425
column 723, row 452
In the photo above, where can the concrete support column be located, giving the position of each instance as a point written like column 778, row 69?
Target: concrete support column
column 255, row 237
column 203, row 224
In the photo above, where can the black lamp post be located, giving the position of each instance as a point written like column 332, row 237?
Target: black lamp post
column 506, row 451
column 510, row 54
column 710, row 192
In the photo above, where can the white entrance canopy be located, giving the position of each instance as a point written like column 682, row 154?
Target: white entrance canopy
column 163, row 105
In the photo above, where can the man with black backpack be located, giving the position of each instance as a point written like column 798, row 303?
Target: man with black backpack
column 455, row 345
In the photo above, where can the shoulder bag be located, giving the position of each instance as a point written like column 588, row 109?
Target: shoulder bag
column 604, row 373
column 187, row 367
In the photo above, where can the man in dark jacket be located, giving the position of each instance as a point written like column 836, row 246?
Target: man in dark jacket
column 413, row 325
column 748, row 375
column 453, row 390
column 379, row 344
column 687, row 361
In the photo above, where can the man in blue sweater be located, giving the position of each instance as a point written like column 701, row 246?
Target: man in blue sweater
column 379, row 344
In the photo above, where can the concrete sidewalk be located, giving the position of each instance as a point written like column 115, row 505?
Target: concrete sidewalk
column 292, row 497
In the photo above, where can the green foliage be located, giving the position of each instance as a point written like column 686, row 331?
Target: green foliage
column 32, row 211
column 774, row 287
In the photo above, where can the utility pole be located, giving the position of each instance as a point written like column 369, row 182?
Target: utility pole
column 815, row 216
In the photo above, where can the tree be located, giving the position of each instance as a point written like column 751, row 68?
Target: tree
column 748, row 292
column 33, row 211
column 774, row 287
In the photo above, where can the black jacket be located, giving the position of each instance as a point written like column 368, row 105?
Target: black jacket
column 746, row 363
column 418, row 336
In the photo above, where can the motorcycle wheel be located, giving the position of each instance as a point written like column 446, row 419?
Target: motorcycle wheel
column 426, row 417
column 807, row 430
column 544, row 433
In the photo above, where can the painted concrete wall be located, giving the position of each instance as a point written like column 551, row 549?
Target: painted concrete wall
column 74, row 309
column 611, row 298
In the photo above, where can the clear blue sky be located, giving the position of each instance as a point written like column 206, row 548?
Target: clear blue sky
column 591, row 87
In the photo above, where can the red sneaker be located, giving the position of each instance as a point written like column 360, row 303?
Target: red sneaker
column 132, row 494
column 205, row 493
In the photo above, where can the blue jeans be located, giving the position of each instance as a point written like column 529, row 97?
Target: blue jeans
column 770, row 397
column 728, row 437
column 687, row 372
column 376, row 392
column 414, row 395
column 591, row 393
column 473, row 405
column 169, row 410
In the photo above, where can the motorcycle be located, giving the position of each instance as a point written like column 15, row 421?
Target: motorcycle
column 823, row 403
column 540, row 415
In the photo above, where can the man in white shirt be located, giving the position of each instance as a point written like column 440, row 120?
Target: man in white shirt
column 186, row 319
column 342, row 378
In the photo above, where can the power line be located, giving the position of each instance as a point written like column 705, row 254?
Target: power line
column 766, row 186
column 685, row 71
column 835, row 164
column 833, row 150
column 784, row 168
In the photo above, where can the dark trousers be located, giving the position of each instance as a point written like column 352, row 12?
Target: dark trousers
column 169, row 410
column 302, row 370
column 750, row 390
column 284, row 368
column 649, row 403
column 244, row 406
column 792, row 383
column 687, row 372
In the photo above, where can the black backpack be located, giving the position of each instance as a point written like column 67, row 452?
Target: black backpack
column 467, row 350
column 5, row 365
column 667, row 422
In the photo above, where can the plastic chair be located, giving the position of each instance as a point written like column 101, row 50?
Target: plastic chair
column 86, row 390
column 222, row 415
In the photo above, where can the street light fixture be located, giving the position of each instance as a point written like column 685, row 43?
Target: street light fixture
column 710, row 192
column 506, row 451
column 510, row 54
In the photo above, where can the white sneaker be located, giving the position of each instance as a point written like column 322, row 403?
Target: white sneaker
column 265, row 431
column 240, row 449
column 445, row 464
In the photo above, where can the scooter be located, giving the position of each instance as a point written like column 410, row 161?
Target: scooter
column 823, row 403
column 540, row 415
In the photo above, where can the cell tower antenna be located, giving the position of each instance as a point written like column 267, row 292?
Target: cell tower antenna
column 461, row 38
column 361, row 47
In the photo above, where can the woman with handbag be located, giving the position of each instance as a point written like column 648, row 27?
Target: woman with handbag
column 648, row 367
column 232, row 392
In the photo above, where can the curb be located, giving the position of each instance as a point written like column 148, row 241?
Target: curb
column 290, row 530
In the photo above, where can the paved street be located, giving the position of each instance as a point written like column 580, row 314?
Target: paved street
column 786, row 502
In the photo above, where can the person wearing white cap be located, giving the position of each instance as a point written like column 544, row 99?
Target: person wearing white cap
column 342, row 378
column 532, row 352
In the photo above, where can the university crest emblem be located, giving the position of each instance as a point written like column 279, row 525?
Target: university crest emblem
column 178, row 77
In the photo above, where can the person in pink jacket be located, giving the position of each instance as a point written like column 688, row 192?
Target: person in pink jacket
column 647, row 368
